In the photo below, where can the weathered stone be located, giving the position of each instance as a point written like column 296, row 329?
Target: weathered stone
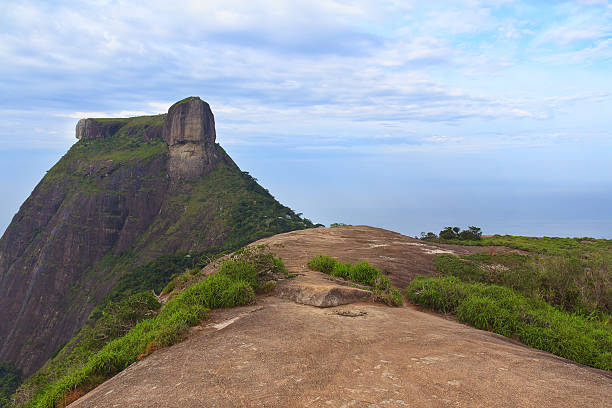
column 190, row 134
column 93, row 129
column 321, row 295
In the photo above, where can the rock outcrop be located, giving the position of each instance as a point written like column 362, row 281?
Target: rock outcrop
column 95, row 129
column 188, row 130
column 190, row 134
column 118, row 199
column 321, row 295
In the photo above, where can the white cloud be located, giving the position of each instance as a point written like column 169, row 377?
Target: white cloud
column 318, row 65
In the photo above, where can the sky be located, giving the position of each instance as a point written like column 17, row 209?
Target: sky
column 405, row 115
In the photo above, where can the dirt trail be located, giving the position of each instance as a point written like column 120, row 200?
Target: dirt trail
column 278, row 353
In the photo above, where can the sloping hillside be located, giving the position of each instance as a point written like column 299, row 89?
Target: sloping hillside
column 282, row 353
column 127, row 192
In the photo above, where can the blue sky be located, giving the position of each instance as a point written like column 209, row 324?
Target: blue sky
column 406, row 115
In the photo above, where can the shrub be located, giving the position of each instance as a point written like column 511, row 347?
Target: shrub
column 569, row 282
column 267, row 266
column 428, row 236
column 449, row 233
column 461, row 268
column 239, row 293
column 365, row 273
column 453, row 233
column 391, row 298
column 267, row 287
column 10, row 378
column 471, row 234
column 323, row 263
column 441, row 295
column 239, row 269
column 342, row 270
column 339, row 224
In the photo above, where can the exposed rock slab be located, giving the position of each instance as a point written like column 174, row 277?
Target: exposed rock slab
column 400, row 257
column 291, row 355
column 286, row 354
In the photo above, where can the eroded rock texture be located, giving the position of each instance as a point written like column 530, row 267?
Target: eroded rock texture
column 93, row 129
column 190, row 134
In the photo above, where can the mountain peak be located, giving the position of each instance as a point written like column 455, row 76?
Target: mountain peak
column 189, row 132
column 130, row 190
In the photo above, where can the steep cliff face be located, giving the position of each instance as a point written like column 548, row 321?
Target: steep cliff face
column 129, row 190
column 190, row 134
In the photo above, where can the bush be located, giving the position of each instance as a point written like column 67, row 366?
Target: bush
column 239, row 269
column 461, row 268
column 441, row 295
column 450, row 233
column 322, row 263
column 471, row 234
column 365, row 273
column 339, row 224
column 391, row 298
column 428, row 236
column 267, row 266
column 239, row 293
column 117, row 318
column 342, row 270
column 10, row 378
column 453, row 233
column 569, row 282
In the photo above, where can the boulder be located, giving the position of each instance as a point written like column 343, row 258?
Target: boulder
column 321, row 295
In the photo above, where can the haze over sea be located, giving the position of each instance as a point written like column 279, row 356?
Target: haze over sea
column 401, row 115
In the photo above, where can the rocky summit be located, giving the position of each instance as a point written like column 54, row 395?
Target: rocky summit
column 189, row 131
column 130, row 190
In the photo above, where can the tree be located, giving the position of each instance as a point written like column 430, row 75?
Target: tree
column 471, row 234
column 10, row 378
column 450, row 233
column 428, row 236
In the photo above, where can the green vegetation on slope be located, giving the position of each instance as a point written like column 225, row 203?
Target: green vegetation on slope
column 504, row 311
column 228, row 204
column 118, row 307
column 361, row 272
column 233, row 284
column 10, row 379
column 573, row 284
column 588, row 247
column 556, row 297
column 126, row 147
column 114, row 320
column 156, row 274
